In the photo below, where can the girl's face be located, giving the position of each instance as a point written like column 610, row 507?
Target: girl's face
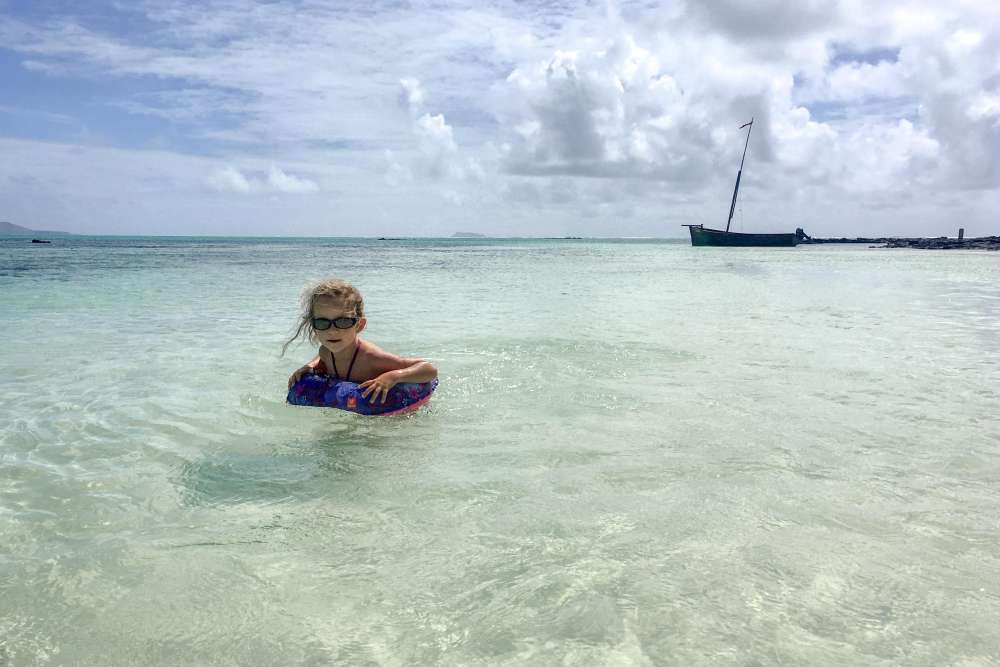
column 334, row 339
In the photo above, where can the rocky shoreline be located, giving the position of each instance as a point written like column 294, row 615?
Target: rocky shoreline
column 938, row 243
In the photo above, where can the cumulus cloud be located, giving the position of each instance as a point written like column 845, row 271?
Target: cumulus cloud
column 767, row 19
column 940, row 82
column 395, row 172
column 915, row 111
column 282, row 182
column 411, row 95
column 436, row 144
column 231, row 179
column 437, row 154
column 611, row 112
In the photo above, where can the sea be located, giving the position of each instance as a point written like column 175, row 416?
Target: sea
column 640, row 453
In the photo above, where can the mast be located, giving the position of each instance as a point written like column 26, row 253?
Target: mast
column 732, row 207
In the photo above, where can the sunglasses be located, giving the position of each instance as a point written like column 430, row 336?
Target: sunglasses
column 322, row 323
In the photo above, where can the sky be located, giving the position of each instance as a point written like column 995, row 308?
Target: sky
column 537, row 118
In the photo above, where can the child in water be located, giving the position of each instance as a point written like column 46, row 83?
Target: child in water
column 333, row 314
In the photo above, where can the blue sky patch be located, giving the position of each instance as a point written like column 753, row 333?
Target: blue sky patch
column 843, row 55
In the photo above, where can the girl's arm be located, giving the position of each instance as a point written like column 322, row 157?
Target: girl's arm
column 308, row 369
column 418, row 371
column 394, row 370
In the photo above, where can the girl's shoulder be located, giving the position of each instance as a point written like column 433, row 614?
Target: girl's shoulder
column 382, row 360
column 373, row 351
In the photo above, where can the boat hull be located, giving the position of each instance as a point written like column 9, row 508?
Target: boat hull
column 702, row 236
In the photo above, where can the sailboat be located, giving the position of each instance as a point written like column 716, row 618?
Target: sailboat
column 701, row 235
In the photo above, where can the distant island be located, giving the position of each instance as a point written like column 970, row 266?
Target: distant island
column 10, row 229
column 468, row 235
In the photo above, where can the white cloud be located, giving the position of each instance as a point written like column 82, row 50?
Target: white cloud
column 886, row 159
column 437, row 156
column 767, row 19
column 624, row 109
column 436, row 145
column 395, row 172
column 860, row 81
column 610, row 112
column 229, row 179
column 985, row 106
column 452, row 197
column 37, row 66
column 282, row 182
column 411, row 95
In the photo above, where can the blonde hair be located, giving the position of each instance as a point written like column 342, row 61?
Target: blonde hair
column 331, row 288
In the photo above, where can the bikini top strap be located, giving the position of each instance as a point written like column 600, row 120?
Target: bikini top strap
column 353, row 359
column 336, row 373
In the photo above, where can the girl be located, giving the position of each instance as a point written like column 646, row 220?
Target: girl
column 333, row 314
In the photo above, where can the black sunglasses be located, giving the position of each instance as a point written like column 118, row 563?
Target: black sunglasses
column 322, row 323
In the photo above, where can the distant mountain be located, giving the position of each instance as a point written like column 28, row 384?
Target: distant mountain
column 10, row 229
column 467, row 235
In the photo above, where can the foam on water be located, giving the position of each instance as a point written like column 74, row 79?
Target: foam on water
column 640, row 453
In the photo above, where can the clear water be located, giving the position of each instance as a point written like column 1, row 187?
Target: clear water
column 641, row 453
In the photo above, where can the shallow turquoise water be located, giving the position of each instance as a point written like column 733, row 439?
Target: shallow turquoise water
column 640, row 453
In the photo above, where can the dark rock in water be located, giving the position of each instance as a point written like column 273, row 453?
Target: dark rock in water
column 945, row 243
column 860, row 239
column 39, row 241
column 937, row 243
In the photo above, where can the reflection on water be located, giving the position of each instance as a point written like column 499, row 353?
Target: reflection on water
column 247, row 479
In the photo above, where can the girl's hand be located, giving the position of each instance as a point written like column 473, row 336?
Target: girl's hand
column 308, row 369
column 382, row 384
